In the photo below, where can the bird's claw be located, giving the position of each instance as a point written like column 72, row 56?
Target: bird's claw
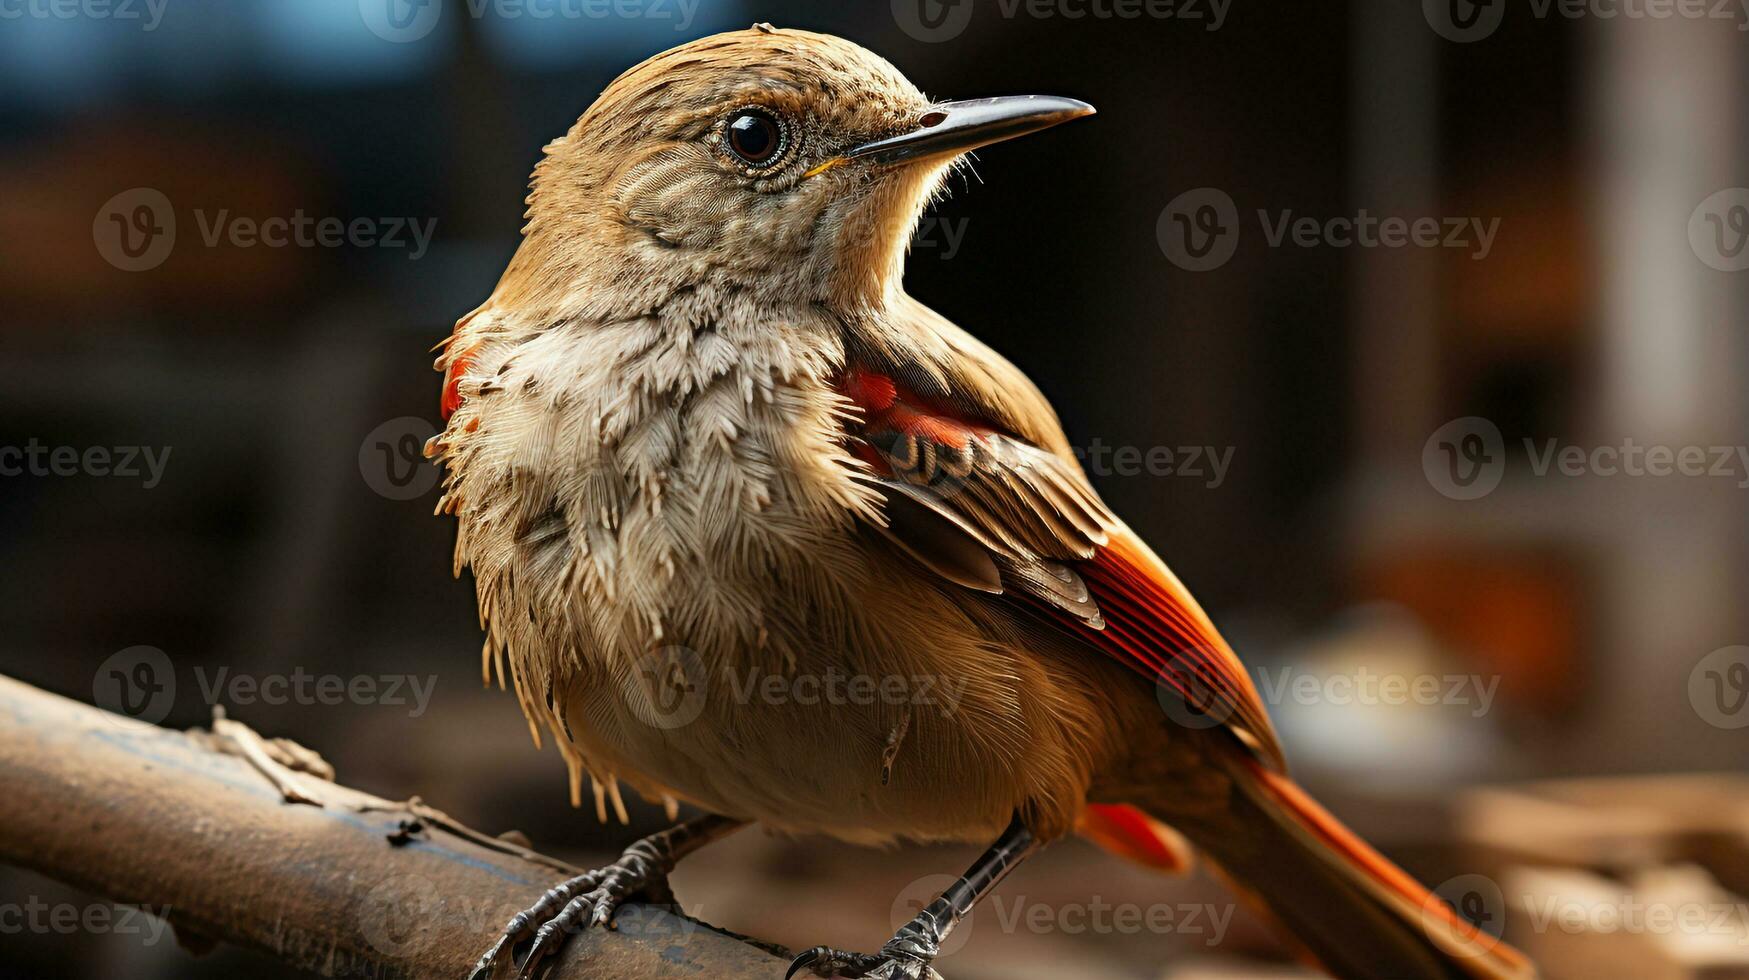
column 889, row 964
column 583, row 902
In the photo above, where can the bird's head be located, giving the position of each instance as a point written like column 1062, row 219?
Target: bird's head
column 772, row 161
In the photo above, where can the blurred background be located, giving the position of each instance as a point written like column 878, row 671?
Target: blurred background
column 1501, row 463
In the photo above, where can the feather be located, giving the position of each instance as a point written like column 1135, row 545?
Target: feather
column 962, row 496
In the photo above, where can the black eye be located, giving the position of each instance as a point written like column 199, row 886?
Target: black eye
column 755, row 136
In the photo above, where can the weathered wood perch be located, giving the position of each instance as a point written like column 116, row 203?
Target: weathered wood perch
column 346, row 886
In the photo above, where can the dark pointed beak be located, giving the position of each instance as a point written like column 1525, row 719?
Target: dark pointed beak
column 955, row 127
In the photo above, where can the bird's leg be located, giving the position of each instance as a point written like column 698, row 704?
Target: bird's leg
column 591, row 899
column 908, row 955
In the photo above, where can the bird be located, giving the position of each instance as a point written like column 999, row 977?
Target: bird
column 754, row 531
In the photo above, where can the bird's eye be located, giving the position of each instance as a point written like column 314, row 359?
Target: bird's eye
column 755, row 136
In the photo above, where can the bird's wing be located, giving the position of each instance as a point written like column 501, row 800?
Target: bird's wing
column 982, row 503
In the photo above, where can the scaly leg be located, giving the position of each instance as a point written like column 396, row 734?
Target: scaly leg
column 908, row 955
column 591, row 899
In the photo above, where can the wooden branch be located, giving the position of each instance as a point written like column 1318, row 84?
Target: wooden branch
column 348, row 885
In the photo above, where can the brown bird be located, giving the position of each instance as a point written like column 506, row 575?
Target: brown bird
column 755, row 531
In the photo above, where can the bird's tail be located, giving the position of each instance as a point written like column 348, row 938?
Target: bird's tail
column 1353, row 911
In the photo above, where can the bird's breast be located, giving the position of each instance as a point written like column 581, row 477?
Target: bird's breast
column 653, row 482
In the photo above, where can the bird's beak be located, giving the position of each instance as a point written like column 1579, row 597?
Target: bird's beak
column 955, row 127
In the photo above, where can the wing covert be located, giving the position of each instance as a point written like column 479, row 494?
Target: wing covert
column 990, row 511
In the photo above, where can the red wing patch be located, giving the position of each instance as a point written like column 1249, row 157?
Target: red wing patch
column 1134, row 836
column 1154, row 626
column 455, row 364
column 452, row 380
column 873, row 393
column 1052, row 538
column 888, row 410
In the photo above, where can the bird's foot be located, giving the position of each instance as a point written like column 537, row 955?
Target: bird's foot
column 907, row 956
column 583, row 902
